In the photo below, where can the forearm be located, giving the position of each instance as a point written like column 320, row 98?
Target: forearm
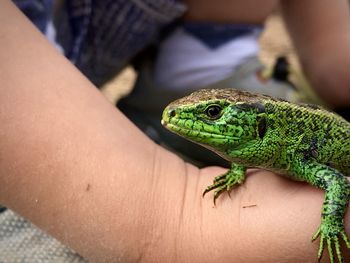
column 70, row 162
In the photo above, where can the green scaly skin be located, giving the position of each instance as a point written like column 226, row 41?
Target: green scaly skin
column 303, row 142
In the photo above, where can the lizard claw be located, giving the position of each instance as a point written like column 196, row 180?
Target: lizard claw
column 330, row 235
column 215, row 185
column 224, row 183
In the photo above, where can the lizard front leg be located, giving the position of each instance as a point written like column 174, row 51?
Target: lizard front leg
column 337, row 193
column 236, row 175
column 233, row 177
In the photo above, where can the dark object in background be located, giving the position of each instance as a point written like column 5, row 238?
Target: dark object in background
column 2, row 209
column 281, row 69
column 345, row 112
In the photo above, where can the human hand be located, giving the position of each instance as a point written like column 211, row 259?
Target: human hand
column 267, row 219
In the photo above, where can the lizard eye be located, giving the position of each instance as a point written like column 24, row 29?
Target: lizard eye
column 213, row 111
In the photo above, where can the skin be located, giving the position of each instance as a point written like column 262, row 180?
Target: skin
column 76, row 167
column 305, row 143
column 228, row 11
column 322, row 45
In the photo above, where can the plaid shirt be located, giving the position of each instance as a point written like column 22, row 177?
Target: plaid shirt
column 101, row 36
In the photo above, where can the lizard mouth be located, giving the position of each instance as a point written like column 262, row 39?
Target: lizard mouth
column 196, row 133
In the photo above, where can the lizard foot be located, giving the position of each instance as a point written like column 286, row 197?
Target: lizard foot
column 226, row 182
column 330, row 234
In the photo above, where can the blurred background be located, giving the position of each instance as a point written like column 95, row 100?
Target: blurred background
column 274, row 42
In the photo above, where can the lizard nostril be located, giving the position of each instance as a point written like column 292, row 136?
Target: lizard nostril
column 171, row 112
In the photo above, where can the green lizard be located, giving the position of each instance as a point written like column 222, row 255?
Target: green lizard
column 303, row 142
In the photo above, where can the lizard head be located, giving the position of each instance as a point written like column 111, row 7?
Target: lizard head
column 220, row 120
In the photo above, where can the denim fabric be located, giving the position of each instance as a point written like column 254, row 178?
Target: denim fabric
column 214, row 35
